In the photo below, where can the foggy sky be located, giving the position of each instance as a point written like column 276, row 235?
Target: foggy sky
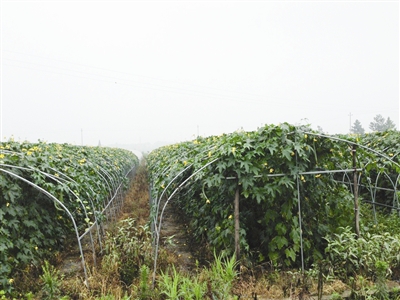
column 127, row 72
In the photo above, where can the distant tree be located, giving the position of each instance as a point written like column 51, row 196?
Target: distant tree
column 357, row 128
column 390, row 124
column 380, row 124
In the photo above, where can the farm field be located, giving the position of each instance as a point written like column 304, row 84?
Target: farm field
column 281, row 212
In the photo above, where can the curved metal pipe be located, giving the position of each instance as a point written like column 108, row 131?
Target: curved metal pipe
column 52, row 197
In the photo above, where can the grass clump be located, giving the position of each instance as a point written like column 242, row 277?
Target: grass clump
column 215, row 282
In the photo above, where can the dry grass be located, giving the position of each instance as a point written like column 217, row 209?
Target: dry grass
column 283, row 285
column 136, row 203
column 104, row 279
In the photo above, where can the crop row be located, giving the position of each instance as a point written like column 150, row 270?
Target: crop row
column 32, row 177
column 295, row 186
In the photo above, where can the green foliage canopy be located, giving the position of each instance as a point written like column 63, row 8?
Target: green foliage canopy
column 32, row 226
column 267, row 165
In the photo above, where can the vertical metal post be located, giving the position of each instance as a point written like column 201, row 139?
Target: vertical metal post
column 300, row 222
column 237, row 225
column 355, row 189
column 299, row 213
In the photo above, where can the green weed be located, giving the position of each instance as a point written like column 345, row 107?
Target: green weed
column 51, row 279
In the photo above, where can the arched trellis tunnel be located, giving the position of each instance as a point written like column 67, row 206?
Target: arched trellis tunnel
column 67, row 182
column 355, row 174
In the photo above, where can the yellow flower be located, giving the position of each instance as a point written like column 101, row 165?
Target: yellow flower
column 185, row 163
column 233, row 150
column 318, row 176
column 36, row 247
column 390, row 154
column 230, row 217
column 302, row 178
column 305, row 136
column 315, row 139
column 1, row 156
column 208, row 201
column 56, row 174
column 292, row 154
column 271, row 170
column 10, row 281
column 209, row 153
column 8, row 204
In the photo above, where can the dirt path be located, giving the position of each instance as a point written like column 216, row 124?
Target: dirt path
column 175, row 238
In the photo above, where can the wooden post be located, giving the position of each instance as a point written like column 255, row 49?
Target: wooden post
column 355, row 184
column 237, row 226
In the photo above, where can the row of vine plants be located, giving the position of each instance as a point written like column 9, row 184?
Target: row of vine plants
column 32, row 225
column 283, row 173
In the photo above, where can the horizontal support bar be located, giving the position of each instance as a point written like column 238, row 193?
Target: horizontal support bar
column 305, row 173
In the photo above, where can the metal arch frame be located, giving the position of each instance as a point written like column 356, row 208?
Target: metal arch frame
column 62, row 181
column 115, row 195
column 102, row 172
column 58, row 180
column 158, row 229
column 52, row 197
column 55, row 178
column 379, row 154
column 93, row 208
column 49, row 176
column 352, row 143
column 157, row 201
column 112, row 184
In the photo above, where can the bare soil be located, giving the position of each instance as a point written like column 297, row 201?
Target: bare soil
column 175, row 239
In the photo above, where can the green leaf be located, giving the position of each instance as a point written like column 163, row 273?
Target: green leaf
column 281, row 228
column 280, row 242
column 285, row 180
column 287, row 154
column 30, row 223
column 289, row 252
